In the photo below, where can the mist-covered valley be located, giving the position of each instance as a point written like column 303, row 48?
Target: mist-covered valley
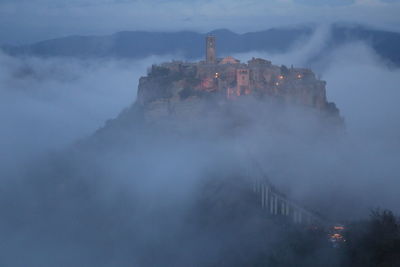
column 84, row 183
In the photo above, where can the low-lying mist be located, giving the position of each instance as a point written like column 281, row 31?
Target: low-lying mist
column 48, row 104
column 117, row 202
column 359, row 171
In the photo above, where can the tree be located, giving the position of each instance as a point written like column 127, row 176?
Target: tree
column 375, row 242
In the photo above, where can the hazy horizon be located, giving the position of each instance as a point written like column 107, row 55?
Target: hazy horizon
column 31, row 21
column 87, row 180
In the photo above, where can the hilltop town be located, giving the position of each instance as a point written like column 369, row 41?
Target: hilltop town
column 174, row 87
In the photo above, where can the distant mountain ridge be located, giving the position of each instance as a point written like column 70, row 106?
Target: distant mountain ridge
column 140, row 44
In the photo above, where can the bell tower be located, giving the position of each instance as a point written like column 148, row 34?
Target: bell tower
column 210, row 49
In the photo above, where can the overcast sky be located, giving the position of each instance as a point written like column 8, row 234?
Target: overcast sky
column 31, row 20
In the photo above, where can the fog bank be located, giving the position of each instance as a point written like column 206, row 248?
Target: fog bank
column 119, row 199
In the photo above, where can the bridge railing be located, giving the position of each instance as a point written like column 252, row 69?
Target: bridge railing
column 277, row 204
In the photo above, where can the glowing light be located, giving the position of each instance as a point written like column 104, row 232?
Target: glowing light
column 216, row 75
column 338, row 228
column 276, row 83
column 281, row 77
column 299, row 76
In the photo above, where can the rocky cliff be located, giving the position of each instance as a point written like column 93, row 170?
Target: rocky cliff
column 177, row 90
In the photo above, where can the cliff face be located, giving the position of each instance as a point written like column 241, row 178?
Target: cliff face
column 178, row 89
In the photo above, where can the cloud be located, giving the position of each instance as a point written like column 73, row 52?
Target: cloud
column 131, row 195
column 326, row 2
column 46, row 104
column 362, row 165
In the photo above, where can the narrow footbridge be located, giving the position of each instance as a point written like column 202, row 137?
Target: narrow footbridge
column 277, row 204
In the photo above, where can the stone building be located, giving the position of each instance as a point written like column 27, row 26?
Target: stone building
column 230, row 80
column 211, row 49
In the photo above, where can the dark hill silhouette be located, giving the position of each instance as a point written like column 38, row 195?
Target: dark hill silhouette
column 139, row 44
